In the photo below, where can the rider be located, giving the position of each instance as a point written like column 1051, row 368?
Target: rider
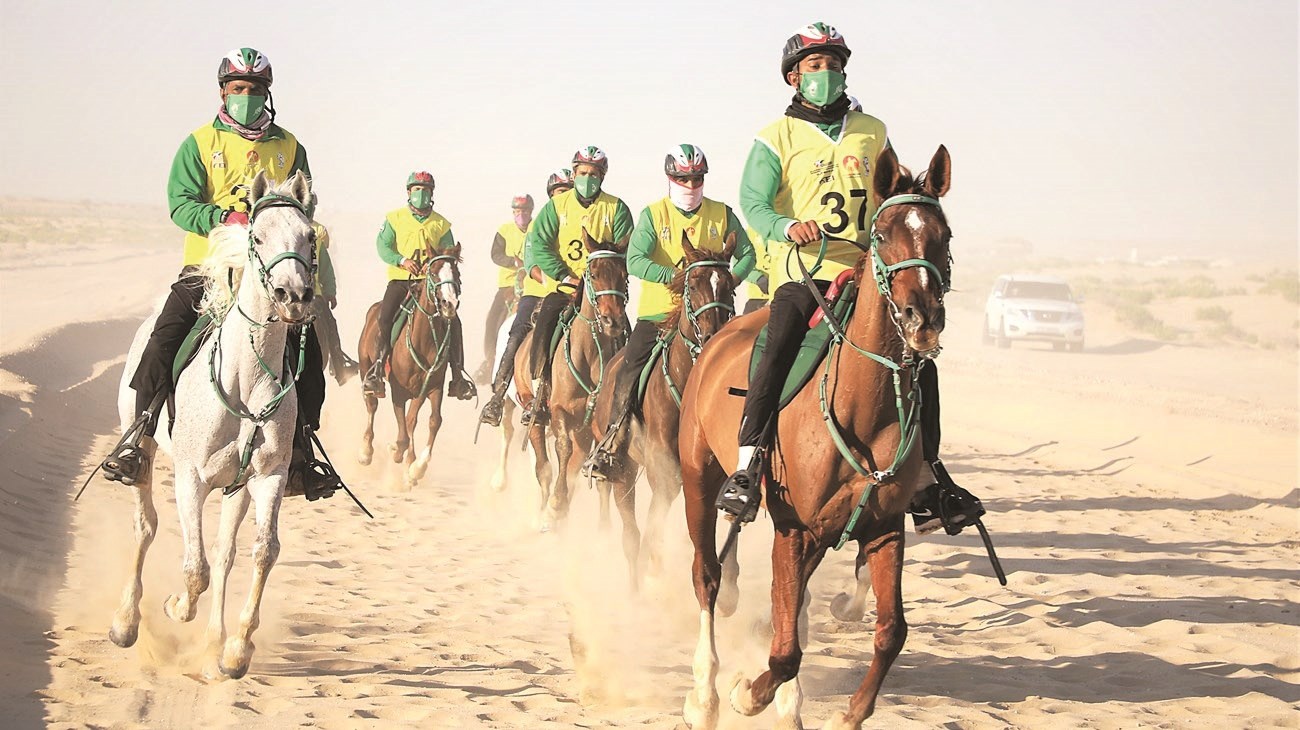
column 339, row 364
column 404, row 243
column 655, row 256
column 584, row 206
column 209, row 185
column 508, row 255
column 792, row 190
column 758, row 278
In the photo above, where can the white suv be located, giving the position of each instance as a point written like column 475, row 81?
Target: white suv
column 1038, row 308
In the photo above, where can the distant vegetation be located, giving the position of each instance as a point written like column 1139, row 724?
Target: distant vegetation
column 1285, row 284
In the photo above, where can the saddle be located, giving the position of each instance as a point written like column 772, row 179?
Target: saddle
column 816, row 343
column 403, row 314
column 190, row 346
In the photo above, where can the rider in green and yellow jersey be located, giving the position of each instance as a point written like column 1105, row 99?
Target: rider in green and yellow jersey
column 757, row 290
column 807, row 174
column 655, row 255
column 508, row 255
column 404, row 242
column 211, row 176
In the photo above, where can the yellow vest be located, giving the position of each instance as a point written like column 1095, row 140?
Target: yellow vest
column 532, row 287
column 828, row 181
column 514, row 239
column 706, row 229
column 414, row 238
column 597, row 219
column 322, row 245
column 231, row 163
column 762, row 264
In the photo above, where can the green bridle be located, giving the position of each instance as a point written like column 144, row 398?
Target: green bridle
column 693, row 314
column 441, row 352
column 593, row 295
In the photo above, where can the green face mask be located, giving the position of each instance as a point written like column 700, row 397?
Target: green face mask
column 420, row 198
column 245, row 109
column 821, row 87
column 587, row 185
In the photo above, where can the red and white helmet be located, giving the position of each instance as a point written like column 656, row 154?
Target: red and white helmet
column 561, row 178
column 591, row 155
column 244, row 63
column 685, row 160
column 522, row 202
column 810, row 39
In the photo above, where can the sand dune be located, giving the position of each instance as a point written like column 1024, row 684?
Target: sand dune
column 1143, row 496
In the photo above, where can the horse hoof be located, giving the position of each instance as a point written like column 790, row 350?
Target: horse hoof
column 124, row 636
column 364, row 457
column 742, row 699
column 728, row 600
column 171, row 607
column 840, row 721
column 842, row 608
column 235, row 660
column 700, row 715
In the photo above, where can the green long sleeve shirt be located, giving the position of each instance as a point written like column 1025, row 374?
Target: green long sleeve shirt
column 325, row 272
column 187, row 184
column 541, row 245
column 645, row 239
column 386, row 243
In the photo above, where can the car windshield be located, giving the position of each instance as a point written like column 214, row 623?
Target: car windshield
column 1037, row 290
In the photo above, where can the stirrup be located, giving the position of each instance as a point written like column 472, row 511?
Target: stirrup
column 313, row 479
column 945, row 505
column 462, row 389
column 739, row 496
column 492, row 412
column 598, row 465
column 535, row 413
column 123, row 465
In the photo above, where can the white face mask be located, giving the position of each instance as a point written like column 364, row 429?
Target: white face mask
column 683, row 197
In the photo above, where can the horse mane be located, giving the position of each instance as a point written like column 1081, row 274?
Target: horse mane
column 223, row 268
column 678, row 288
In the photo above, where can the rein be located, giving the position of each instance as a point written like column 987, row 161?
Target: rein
column 909, row 415
column 592, row 295
column 288, row 377
column 441, row 352
column 663, row 346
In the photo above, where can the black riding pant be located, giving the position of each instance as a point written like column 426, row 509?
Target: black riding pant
column 548, row 318
column 394, row 294
column 640, row 345
column 497, row 314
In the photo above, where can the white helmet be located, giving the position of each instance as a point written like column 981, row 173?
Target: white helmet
column 685, row 160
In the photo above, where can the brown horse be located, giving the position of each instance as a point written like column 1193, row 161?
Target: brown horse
column 704, row 292
column 812, row 490
column 417, row 368
column 592, row 337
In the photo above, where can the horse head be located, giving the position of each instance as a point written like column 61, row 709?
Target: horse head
column 909, row 256
column 442, row 280
column 706, row 289
column 282, row 244
column 604, row 283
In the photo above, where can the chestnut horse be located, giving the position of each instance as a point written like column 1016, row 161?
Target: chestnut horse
column 816, row 497
column 590, row 339
column 704, row 293
column 417, row 368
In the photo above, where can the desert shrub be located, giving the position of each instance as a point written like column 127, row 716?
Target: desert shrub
column 1285, row 285
column 1213, row 314
column 1140, row 318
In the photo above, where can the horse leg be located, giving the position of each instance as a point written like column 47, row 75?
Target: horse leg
column 625, row 496
column 794, row 557
column 126, row 622
column 233, row 509
column 421, row 465
column 542, row 471
column 699, row 477
column 499, row 477
column 885, row 563
column 368, row 438
column 845, row 607
column 190, row 495
column 558, row 505
column 605, row 489
column 729, row 591
column 399, row 446
column 266, row 494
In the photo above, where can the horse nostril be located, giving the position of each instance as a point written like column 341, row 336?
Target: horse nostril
column 280, row 295
column 308, row 295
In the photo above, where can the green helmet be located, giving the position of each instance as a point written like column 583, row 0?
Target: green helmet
column 244, row 63
column 419, row 178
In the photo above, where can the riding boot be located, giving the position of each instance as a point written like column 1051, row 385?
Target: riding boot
column 944, row 504
column 492, row 412
column 308, row 475
column 460, row 387
column 133, row 455
column 342, row 367
column 373, row 385
column 604, row 459
column 740, row 494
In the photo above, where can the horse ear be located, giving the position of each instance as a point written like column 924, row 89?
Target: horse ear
column 258, row 189
column 300, row 188
column 939, row 177
column 455, row 250
column 885, row 180
column 691, row 253
column 587, row 241
column 621, row 244
column 729, row 249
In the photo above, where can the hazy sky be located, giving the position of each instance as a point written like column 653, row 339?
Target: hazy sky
column 1068, row 122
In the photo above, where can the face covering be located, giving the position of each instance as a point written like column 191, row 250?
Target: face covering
column 821, row 87
column 684, row 198
column 245, row 109
column 421, row 198
column 522, row 218
column 587, row 185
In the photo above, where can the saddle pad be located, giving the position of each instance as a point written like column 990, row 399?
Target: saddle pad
column 190, row 345
column 811, row 351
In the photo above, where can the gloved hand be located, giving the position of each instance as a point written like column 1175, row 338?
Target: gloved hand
column 234, row 217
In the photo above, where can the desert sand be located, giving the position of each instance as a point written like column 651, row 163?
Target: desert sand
column 1143, row 495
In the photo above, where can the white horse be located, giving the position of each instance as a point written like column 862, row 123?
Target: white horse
column 270, row 264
